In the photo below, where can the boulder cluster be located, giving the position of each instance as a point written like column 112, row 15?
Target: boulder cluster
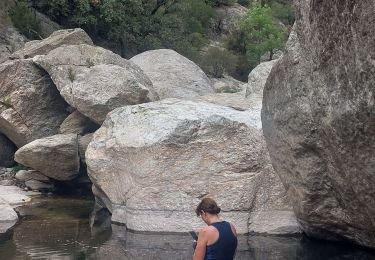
column 150, row 133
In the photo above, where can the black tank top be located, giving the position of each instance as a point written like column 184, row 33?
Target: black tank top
column 225, row 247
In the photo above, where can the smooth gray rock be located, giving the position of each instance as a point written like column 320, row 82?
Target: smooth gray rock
column 30, row 105
column 55, row 157
column 319, row 121
column 258, row 78
column 173, row 75
column 161, row 158
column 76, row 123
column 95, row 81
column 7, row 150
column 56, row 39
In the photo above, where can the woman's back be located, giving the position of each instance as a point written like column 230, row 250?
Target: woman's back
column 224, row 248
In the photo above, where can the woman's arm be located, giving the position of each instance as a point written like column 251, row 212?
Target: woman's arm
column 200, row 250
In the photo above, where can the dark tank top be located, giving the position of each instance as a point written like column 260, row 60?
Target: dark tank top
column 225, row 247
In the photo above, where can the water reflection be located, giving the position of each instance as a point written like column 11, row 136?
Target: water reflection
column 60, row 229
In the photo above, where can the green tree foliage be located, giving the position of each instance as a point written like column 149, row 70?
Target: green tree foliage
column 261, row 33
column 283, row 11
column 24, row 19
column 137, row 25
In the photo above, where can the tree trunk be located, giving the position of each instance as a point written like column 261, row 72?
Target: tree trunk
column 271, row 54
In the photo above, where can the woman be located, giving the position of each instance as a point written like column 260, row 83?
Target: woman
column 217, row 241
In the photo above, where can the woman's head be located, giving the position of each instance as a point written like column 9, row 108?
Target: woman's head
column 207, row 205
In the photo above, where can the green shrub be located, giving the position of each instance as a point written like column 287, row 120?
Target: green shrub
column 217, row 61
column 71, row 74
column 24, row 19
column 6, row 101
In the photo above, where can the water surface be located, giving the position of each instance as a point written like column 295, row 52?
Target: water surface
column 59, row 228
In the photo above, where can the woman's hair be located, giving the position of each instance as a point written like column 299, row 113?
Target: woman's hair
column 207, row 205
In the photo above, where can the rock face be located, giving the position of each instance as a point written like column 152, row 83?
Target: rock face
column 56, row 39
column 55, row 156
column 258, row 78
column 30, row 106
column 7, row 150
column 161, row 158
column 319, row 122
column 173, row 75
column 96, row 81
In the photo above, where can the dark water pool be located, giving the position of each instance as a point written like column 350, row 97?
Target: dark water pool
column 59, row 228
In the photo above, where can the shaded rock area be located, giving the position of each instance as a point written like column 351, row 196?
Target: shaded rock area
column 30, row 105
column 319, row 121
column 173, row 75
column 54, row 156
column 56, row 39
column 96, row 81
column 76, row 123
column 161, row 158
column 7, row 150
column 34, row 180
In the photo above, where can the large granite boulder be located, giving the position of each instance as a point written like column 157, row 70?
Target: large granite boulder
column 159, row 159
column 55, row 156
column 56, row 39
column 30, row 105
column 173, row 75
column 319, row 121
column 7, row 150
column 95, row 80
